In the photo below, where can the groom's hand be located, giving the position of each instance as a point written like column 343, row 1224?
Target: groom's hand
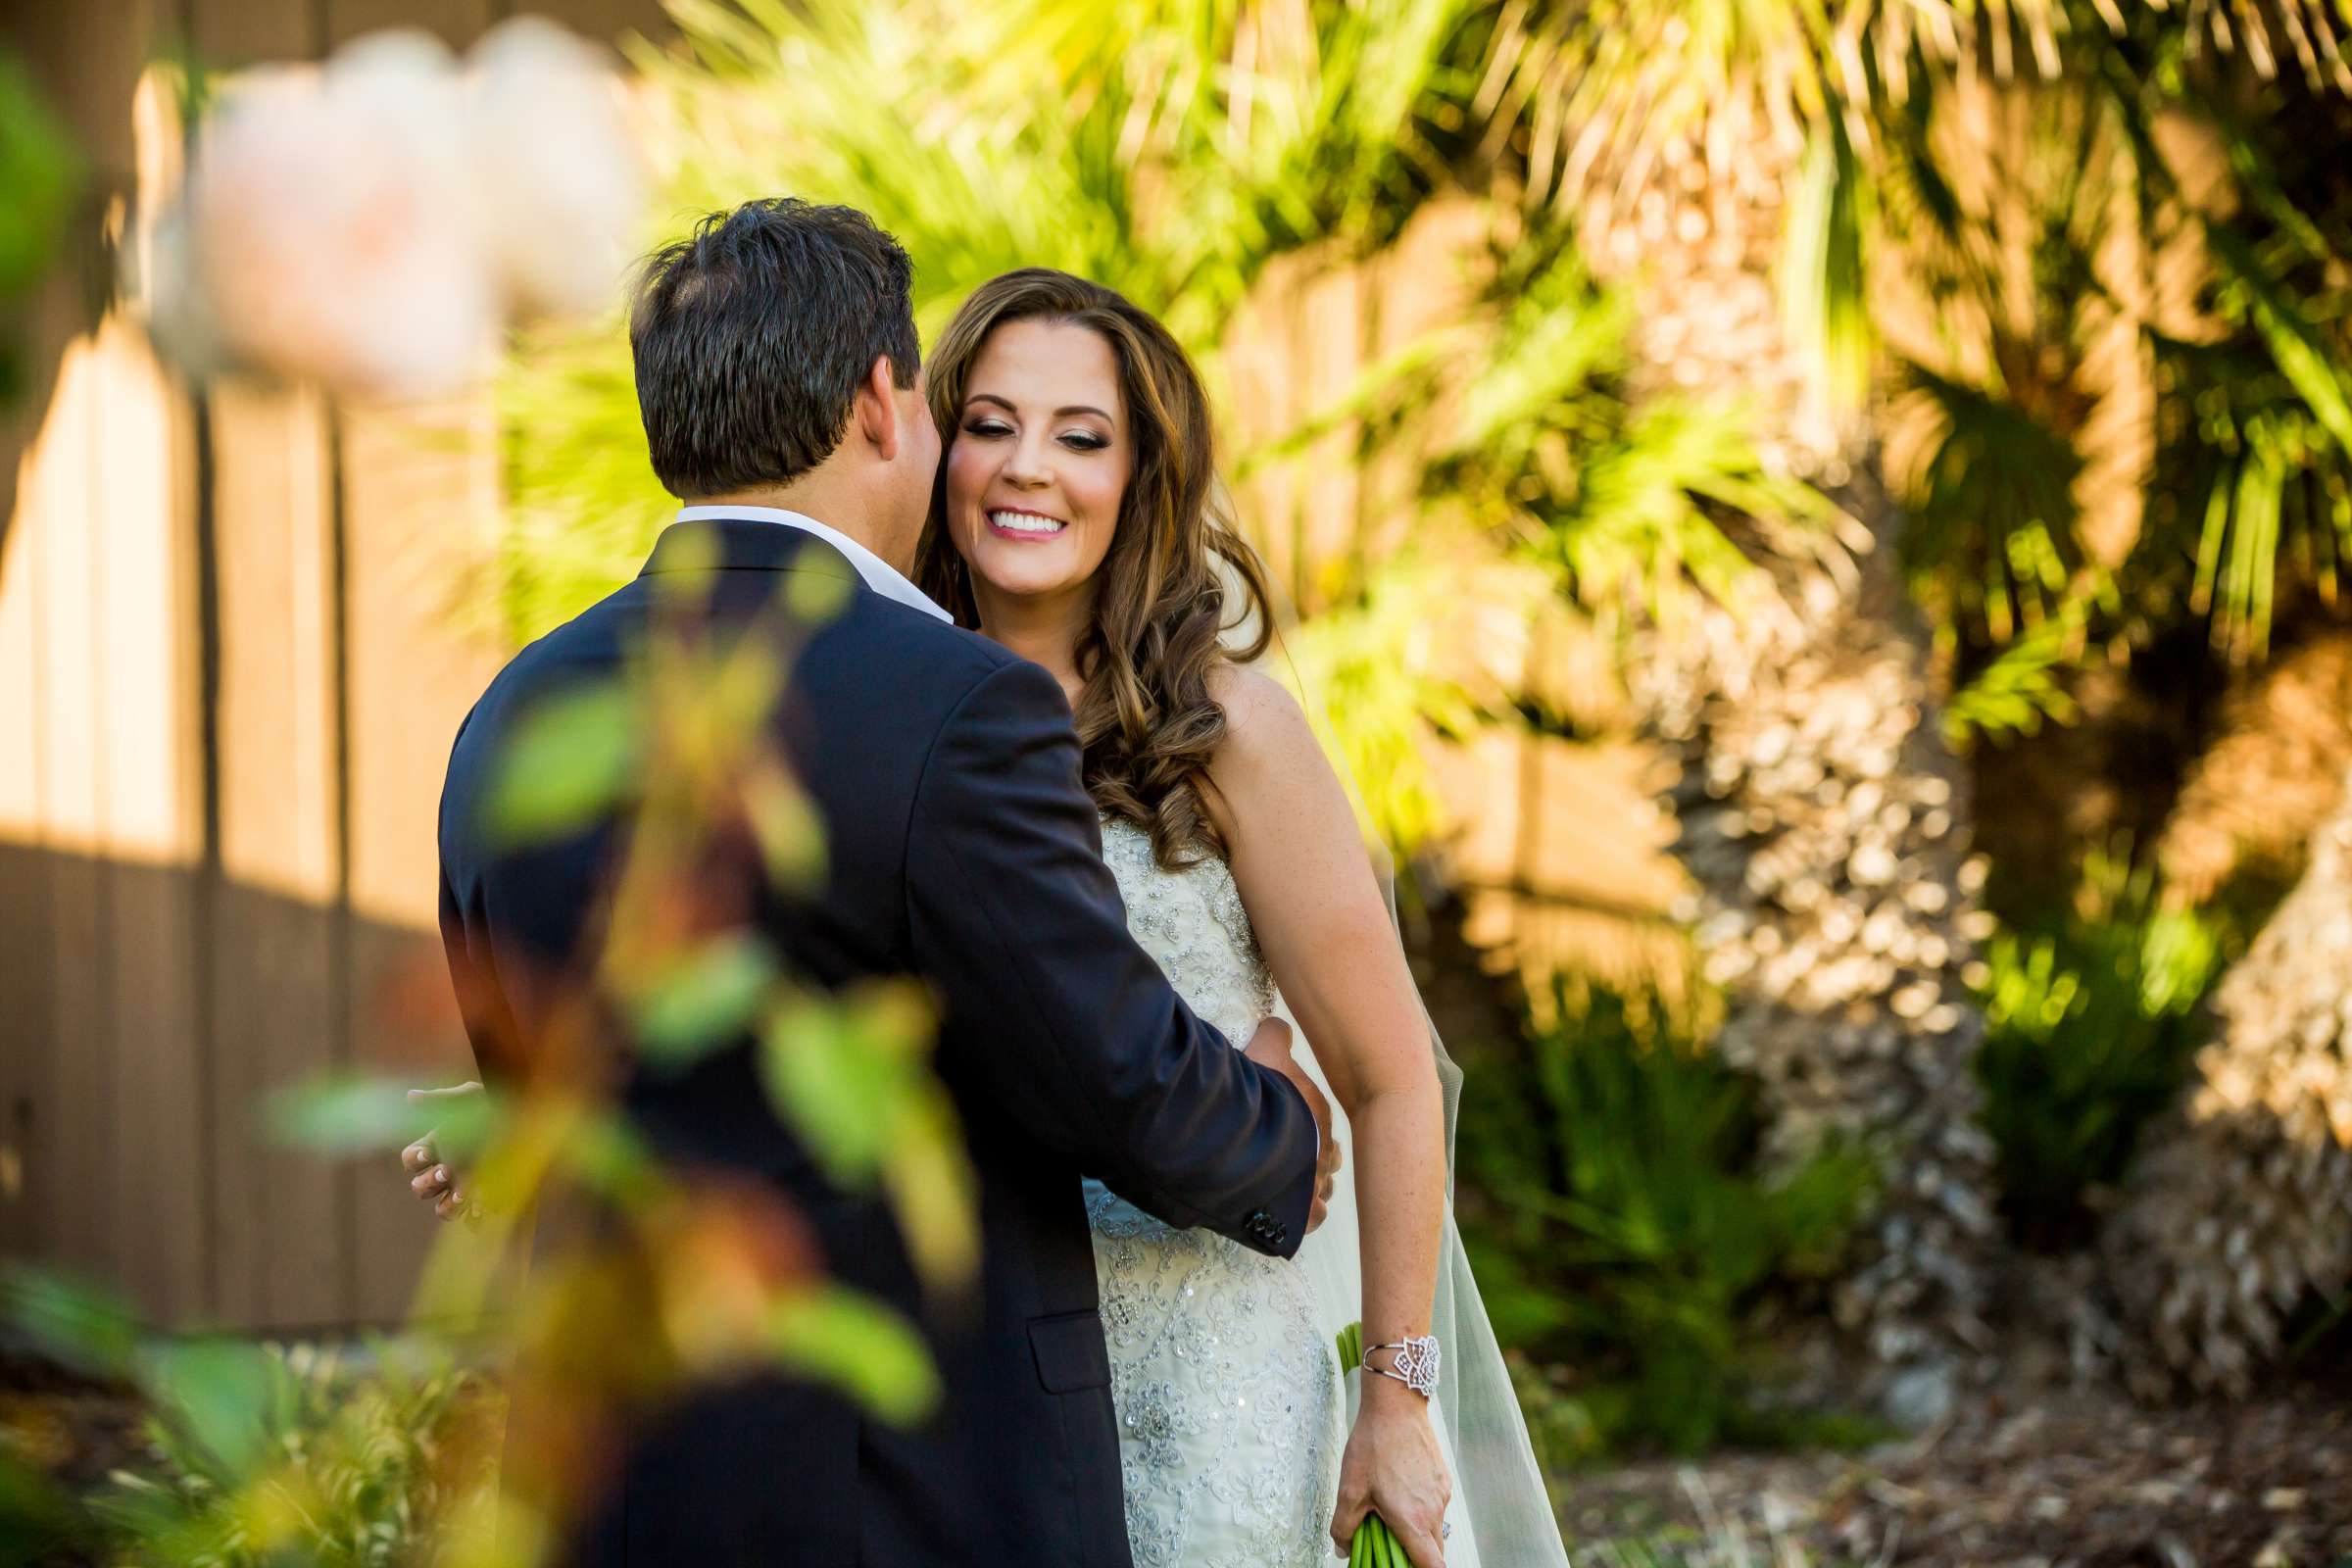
column 433, row 1182
column 1271, row 1046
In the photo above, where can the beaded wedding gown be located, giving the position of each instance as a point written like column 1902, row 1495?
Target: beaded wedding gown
column 1223, row 1375
column 1227, row 1387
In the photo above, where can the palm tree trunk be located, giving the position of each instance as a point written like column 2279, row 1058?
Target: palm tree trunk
column 1823, row 817
column 2240, row 1211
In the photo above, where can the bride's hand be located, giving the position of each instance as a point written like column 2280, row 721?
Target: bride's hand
column 433, row 1181
column 1271, row 1046
column 1393, row 1468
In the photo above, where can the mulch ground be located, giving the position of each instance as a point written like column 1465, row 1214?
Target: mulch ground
column 2068, row 1479
column 2072, row 1479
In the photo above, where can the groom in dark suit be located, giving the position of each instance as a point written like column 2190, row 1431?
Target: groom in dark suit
column 777, row 376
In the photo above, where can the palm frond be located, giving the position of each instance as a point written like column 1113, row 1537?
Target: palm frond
column 1825, row 266
column 1994, row 507
column 2266, row 494
column 1596, row 83
column 1402, row 665
column 1643, row 523
column 2023, row 687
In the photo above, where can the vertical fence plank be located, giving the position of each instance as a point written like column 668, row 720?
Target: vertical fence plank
column 27, row 1191
column 420, row 500
column 149, row 744
column 53, row 513
column 276, row 1017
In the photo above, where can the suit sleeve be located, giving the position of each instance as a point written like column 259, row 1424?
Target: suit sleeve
column 1073, row 1031
column 473, row 970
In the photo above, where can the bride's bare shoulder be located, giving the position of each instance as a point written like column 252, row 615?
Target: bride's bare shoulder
column 1269, row 763
column 1262, row 720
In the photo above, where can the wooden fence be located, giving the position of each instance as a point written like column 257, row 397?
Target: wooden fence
column 226, row 693
column 227, row 690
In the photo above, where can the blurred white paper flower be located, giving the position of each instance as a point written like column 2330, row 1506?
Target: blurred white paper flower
column 365, row 226
column 332, row 233
column 555, row 166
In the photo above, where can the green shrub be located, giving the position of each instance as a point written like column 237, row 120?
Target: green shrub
column 2092, row 1018
column 267, row 1454
column 1624, row 1230
column 351, row 1457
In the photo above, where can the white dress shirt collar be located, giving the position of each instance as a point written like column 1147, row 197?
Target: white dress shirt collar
column 879, row 575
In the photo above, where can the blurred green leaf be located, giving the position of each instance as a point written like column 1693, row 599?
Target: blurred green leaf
column 792, row 839
column 1561, row 336
column 847, row 1075
column 611, row 1156
column 570, row 760
column 858, row 1344
column 223, row 1393
column 351, row 1115
column 706, row 998
column 932, row 1190
column 80, row 1325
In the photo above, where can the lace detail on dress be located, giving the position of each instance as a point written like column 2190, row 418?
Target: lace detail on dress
column 1226, row 1388
column 1193, row 923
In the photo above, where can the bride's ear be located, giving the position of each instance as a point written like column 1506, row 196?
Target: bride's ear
column 876, row 407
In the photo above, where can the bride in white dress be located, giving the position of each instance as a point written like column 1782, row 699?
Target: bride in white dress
column 1076, row 524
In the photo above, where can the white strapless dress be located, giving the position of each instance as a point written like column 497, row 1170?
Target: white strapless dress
column 1227, row 1387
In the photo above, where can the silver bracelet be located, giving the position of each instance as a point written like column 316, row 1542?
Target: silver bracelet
column 1416, row 1363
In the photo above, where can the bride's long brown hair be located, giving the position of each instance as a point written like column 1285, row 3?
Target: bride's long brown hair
column 1146, row 719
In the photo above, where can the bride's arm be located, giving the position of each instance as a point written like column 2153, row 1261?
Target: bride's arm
column 1324, row 925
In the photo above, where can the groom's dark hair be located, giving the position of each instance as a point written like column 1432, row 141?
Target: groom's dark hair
column 753, row 333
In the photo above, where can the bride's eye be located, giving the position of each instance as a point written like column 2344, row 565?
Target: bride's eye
column 987, row 427
column 1083, row 441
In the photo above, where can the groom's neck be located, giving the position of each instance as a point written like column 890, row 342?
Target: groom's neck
column 831, row 504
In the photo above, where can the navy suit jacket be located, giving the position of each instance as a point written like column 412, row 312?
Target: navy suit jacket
column 960, row 847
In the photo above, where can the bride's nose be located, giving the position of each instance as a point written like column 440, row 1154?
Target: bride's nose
column 1027, row 465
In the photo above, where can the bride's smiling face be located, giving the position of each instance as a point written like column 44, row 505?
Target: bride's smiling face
column 1039, row 460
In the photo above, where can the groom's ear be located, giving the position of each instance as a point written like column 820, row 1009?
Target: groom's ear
column 876, row 407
